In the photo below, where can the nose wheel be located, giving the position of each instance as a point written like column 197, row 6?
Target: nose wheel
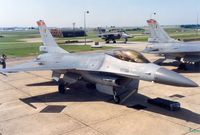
column 116, row 98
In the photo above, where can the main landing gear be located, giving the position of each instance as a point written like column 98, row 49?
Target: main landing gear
column 108, row 41
column 116, row 98
column 61, row 86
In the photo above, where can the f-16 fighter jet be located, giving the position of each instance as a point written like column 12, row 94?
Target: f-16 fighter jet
column 170, row 48
column 113, row 35
column 110, row 71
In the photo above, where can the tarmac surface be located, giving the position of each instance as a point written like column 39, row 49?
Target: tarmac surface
column 30, row 105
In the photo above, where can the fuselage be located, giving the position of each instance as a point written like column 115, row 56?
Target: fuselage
column 133, row 66
column 190, row 51
column 100, row 62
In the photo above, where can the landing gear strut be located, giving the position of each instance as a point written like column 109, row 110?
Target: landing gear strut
column 61, row 86
column 116, row 98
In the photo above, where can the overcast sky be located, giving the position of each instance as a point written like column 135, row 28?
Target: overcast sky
column 62, row 13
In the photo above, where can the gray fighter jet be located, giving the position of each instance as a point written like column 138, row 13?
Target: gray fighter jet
column 113, row 35
column 111, row 71
column 162, row 44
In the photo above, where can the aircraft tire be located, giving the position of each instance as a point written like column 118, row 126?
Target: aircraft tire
column 116, row 98
column 61, row 86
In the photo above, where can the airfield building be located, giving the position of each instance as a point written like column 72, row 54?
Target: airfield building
column 67, row 32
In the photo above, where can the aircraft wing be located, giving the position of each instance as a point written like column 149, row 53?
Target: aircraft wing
column 36, row 66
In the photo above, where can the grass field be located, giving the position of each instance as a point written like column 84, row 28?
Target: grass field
column 22, row 50
column 12, row 44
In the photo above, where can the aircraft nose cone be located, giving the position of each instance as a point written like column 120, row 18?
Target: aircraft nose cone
column 165, row 76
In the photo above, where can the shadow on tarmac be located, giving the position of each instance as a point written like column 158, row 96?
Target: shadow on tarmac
column 79, row 93
column 48, row 83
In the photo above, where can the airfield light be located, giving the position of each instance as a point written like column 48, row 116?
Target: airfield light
column 85, row 12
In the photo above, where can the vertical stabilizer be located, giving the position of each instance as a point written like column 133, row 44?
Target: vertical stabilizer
column 49, row 42
column 158, row 34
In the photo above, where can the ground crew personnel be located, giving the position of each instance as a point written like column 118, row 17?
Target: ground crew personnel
column 3, row 60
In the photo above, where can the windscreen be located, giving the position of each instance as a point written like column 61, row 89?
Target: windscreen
column 130, row 56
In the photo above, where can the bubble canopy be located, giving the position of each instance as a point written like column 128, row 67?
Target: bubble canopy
column 129, row 55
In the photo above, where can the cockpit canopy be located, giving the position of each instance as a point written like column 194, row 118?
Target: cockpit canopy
column 129, row 55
